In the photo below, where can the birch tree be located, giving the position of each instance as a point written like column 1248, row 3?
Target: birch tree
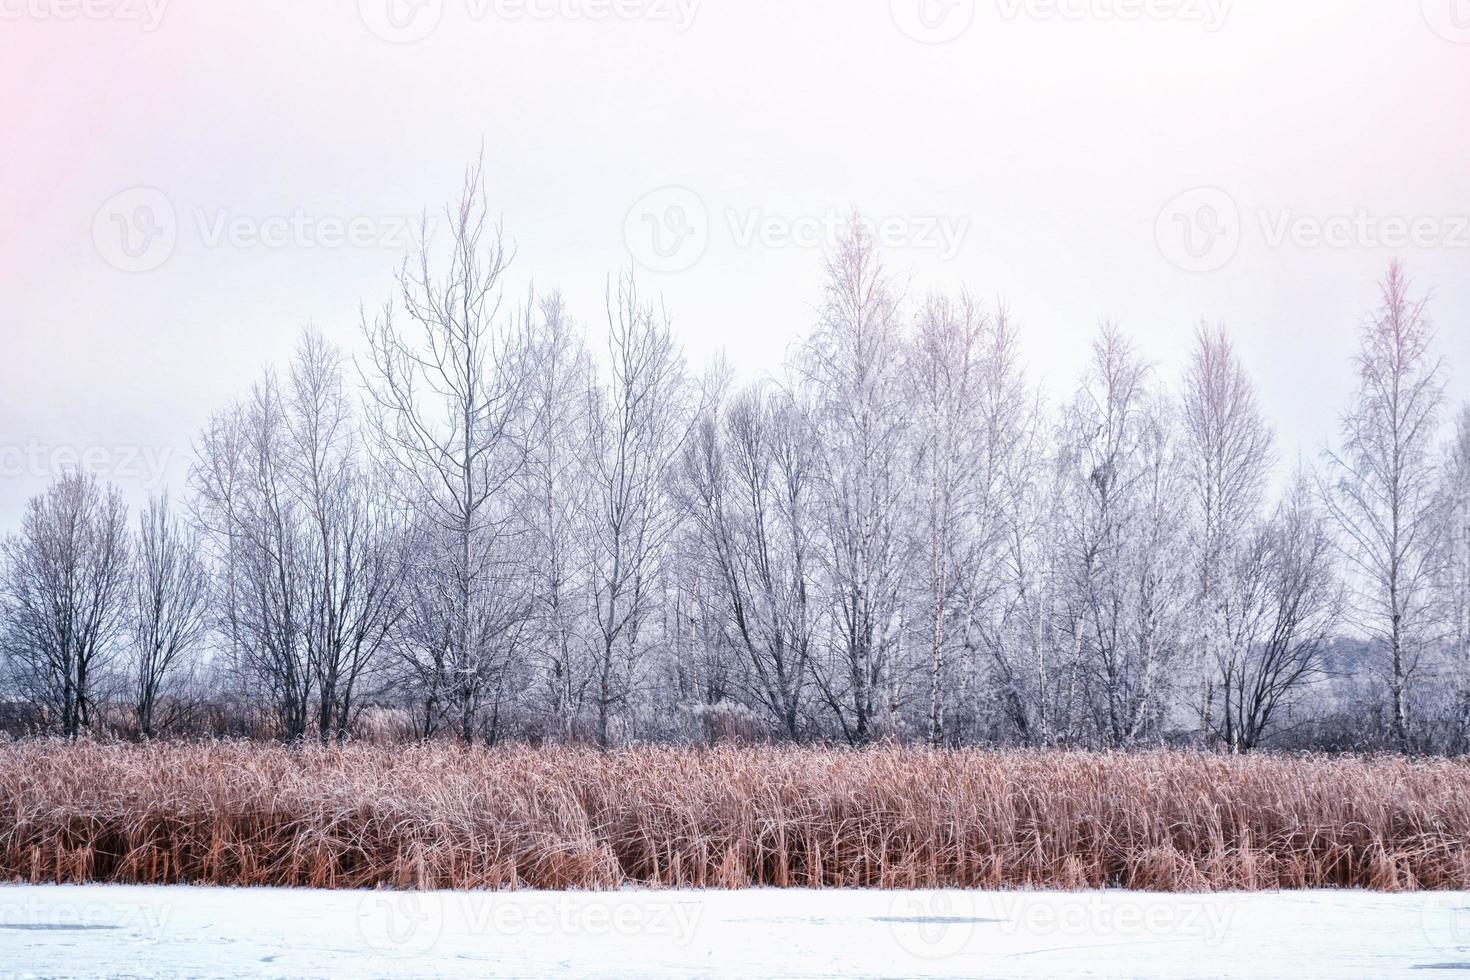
column 1227, row 452
column 1123, row 531
column 852, row 366
column 555, row 485
column 967, row 397
column 1031, row 651
column 1453, row 570
column 1381, row 483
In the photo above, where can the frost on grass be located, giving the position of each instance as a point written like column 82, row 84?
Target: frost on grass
column 437, row 816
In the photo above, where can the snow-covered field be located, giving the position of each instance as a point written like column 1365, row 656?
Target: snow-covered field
column 156, row 931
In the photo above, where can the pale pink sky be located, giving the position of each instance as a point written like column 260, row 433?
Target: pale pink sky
column 1034, row 154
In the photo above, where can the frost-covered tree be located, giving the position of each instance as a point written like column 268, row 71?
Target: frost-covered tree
column 1123, row 531
column 555, row 485
column 1227, row 458
column 851, row 368
column 748, row 476
column 640, row 417
column 1280, row 614
column 1380, row 487
column 1453, row 569
column 447, row 391
column 171, row 594
column 64, row 583
column 310, row 539
column 968, row 397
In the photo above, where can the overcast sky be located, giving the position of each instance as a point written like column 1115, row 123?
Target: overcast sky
column 185, row 185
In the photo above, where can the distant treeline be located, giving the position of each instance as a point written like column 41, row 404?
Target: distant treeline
column 492, row 523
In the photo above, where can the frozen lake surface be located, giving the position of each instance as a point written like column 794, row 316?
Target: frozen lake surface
column 165, row 932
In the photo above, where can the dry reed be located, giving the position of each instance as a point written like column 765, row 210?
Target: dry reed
column 444, row 817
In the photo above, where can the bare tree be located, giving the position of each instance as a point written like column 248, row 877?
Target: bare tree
column 1381, row 484
column 853, row 365
column 1453, row 569
column 748, row 478
column 245, row 501
column 353, row 543
column 1227, row 451
column 555, row 486
column 446, row 396
column 171, row 592
column 1282, row 615
column 1024, row 635
column 423, row 637
column 64, row 587
column 1123, row 533
column 216, row 480
column 640, row 420
column 310, row 543
column 965, row 427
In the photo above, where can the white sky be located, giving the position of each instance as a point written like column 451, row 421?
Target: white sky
column 1054, row 133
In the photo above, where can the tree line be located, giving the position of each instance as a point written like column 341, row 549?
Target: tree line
column 490, row 523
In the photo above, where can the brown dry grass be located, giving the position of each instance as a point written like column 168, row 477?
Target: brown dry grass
column 444, row 817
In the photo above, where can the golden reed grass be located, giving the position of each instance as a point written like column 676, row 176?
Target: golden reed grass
column 440, row 816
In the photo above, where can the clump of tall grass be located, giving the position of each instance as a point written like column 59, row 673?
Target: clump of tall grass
column 439, row 816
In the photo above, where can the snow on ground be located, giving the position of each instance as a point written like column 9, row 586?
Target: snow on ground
column 184, row 931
